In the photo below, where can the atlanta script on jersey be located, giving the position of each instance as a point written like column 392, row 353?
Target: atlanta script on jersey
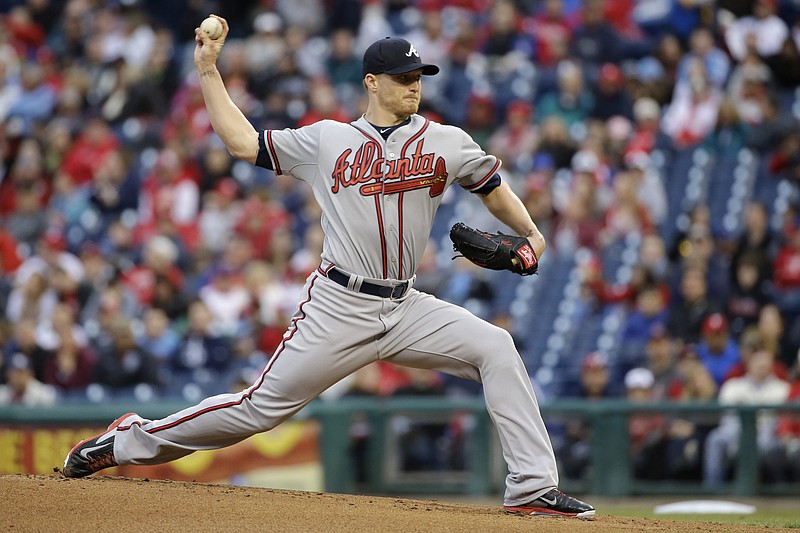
column 378, row 197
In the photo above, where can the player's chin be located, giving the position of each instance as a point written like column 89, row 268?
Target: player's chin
column 410, row 106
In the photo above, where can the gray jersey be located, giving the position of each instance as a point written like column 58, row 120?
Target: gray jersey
column 379, row 197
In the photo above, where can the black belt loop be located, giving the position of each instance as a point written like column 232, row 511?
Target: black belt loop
column 384, row 291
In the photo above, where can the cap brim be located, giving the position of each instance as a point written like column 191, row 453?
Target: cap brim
column 427, row 69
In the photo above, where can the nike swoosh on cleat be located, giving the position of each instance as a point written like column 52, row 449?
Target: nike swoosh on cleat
column 548, row 502
column 84, row 453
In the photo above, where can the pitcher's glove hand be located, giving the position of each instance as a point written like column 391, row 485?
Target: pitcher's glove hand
column 496, row 251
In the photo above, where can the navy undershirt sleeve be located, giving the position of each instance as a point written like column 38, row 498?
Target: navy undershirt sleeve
column 490, row 185
column 262, row 159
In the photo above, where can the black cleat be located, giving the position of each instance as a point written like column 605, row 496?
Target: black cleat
column 554, row 503
column 93, row 454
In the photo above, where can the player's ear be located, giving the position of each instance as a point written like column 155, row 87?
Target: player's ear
column 371, row 82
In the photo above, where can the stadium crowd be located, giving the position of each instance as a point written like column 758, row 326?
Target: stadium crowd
column 139, row 260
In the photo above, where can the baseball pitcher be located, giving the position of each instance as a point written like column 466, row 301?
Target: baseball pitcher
column 379, row 181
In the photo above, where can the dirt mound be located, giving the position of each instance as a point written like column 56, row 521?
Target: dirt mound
column 53, row 503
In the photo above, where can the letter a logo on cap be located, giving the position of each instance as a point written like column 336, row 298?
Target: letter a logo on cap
column 412, row 51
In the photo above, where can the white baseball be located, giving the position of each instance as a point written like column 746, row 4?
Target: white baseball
column 212, row 27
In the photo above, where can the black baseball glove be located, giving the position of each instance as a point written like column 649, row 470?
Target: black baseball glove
column 496, row 251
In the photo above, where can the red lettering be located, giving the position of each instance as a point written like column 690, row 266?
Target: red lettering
column 421, row 164
column 404, row 168
column 339, row 169
column 394, row 177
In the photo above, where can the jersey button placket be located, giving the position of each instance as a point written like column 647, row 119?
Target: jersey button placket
column 390, row 206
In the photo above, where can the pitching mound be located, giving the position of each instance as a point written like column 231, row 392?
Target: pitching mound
column 53, row 503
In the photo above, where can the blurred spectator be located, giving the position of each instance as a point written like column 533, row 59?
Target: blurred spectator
column 114, row 189
column 661, row 359
column 653, row 258
column 646, row 114
column 580, row 204
column 691, row 307
column 701, row 48
column 323, row 105
column 701, row 249
column 23, row 340
column 718, row 352
column 748, row 294
column 758, row 386
column 611, row 98
column 28, row 222
column 556, row 142
column 10, row 87
column 692, row 114
column 594, row 41
column 626, row 215
column 114, row 304
column 32, row 300
column 697, row 219
column 71, row 366
column 730, row 132
column 220, row 214
column 158, row 336
column 481, row 121
column 22, row 388
column 159, row 257
column 571, row 101
column 36, row 100
column 266, row 44
column 687, row 433
column 262, row 215
column 227, row 300
column 775, row 134
column 675, row 17
column 122, row 365
column 518, row 138
column 169, row 197
column 649, row 186
column 344, row 65
column 552, row 30
column 646, row 430
column 201, row 348
column 756, row 240
column 89, row 151
column 649, row 314
column 170, row 298
column 594, row 380
column 748, row 87
column 772, row 332
column 763, row 32
column 503, row 36
column 459, row 87
column 751, row 342
column 654, row 76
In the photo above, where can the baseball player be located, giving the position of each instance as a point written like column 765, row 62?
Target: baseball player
column 379, row 181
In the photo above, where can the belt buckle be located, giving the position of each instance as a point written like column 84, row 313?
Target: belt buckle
column 398, row 291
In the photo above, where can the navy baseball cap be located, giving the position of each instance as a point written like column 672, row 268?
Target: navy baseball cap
column 393, row 55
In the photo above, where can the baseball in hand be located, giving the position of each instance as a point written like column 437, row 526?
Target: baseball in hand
column 212, row 27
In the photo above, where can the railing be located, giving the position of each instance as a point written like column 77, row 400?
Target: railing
column 611, row 473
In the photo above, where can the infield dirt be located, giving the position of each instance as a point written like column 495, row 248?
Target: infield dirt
column 56, row 504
